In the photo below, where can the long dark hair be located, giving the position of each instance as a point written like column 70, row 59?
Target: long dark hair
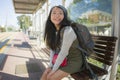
column 53, row 41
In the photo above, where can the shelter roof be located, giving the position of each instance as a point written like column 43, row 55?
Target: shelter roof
column 27, row 6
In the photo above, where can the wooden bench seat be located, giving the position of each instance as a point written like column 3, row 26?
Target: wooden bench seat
column 103, row 53
column 85, row 75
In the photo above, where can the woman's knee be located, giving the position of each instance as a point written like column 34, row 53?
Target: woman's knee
column 52, row 78
column 58, row 75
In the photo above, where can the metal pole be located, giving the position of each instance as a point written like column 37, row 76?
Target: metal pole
column 116, row 32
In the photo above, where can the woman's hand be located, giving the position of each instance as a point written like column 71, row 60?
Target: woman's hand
column 50, row 74
column 45, row 74
column 48, row 70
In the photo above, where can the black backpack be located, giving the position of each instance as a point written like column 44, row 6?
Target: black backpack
column 86, row 45
column 84, row 37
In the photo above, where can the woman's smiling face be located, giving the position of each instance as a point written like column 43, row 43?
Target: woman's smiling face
column 57, row 16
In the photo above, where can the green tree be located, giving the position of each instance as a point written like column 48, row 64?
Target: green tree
column 2, row 29
column 24, row 22
column 76, row 1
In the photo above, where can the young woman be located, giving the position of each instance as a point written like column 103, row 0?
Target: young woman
column 60, row 38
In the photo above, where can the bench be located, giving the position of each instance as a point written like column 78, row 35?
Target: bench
column 103, row 53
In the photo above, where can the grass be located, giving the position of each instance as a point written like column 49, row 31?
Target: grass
column 95, row 62
column 100, row 65
column 118, row 73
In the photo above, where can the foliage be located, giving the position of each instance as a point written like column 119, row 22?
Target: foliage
column 9, row 29
column 118, row 73
column 76, row 1
column 79, row 7
column 2, row 29
column 95, row 62
column 119, row 68
column 24, row 21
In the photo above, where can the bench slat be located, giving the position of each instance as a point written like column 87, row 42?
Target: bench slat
column 104, row 52
column 102, row 60
column 104, row 47
column 108, row 58
column 107, row 38
column 104, row 42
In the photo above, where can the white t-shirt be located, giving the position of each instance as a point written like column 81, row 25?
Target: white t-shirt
column 68, row 37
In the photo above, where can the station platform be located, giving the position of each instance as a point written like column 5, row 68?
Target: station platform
column 24, row 60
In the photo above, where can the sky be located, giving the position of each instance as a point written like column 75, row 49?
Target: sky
column 7, row 13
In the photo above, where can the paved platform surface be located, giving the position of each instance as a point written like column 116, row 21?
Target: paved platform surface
column 21, row 52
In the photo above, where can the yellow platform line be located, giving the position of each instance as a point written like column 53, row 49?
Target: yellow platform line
column 4, row 47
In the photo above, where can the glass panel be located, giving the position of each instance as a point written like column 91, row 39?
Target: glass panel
column 95, row 14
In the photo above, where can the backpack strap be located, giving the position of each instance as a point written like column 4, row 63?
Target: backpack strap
column 79, row 47
column 92, row 74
